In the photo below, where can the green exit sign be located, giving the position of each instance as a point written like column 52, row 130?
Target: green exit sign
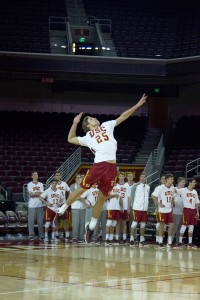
column 82, row 40
column 157, row 90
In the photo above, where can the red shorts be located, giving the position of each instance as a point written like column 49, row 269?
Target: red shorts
column 189, row 216
column 50, row 215
column 104, row 174
column 113, row 215
column 166, row 218
column 140, row 216
column 125, row 215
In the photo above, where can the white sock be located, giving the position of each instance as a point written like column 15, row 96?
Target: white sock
column 132, row 238
column 117, row 236
column 56, row 233
column 160, row 239
column 46, row 234
column 107, row 236
column 111, row 237
column 190, row 239
column 53, row 234
column 169, row 240
column 157, row 238
column 93, row 223
column 180, row 239
column 124, row 236
column 141, row 238
column 66, row 234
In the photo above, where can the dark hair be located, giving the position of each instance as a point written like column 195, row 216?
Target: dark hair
column 142, row 173
column 189, row 180
column 56, row 172
column 85, row 123
column 162, row 175
column 33, row 173
column 52, row 180
column 169, row 175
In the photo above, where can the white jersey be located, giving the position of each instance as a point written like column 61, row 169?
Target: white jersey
column 91, row 196
column 165, row 196
column 54, row 197
column 141, row 199
column 178, row 204
column 101, row 142
column 35, row 188
column 113, row 203
column 189, row 198
column 63, row 187
column 124, row 194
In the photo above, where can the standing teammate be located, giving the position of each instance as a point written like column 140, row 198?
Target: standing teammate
column 140, row 200
column 165, row 197
column 64, row 188
column 100, row 139
column 190, row 200
column 156, row 201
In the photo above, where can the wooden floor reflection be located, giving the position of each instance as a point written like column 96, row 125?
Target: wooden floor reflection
column 38, row 272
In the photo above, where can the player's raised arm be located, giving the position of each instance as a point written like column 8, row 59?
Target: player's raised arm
column 72, row 138
column 126, row 114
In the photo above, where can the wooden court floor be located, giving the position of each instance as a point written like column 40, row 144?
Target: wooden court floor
column 40, row 271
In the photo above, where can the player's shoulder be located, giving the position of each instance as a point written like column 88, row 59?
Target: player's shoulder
column 108, row 123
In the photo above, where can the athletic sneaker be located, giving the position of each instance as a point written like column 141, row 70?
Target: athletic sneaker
column 124, row 242
column 176, row 246
column 133, row 243
column 55, row 240
column 107, row 243
column 193, row 246
column 67, row 240
column 143, row 244
column 88, row 234
column 181, row 245
column 169, row 246
column 161, row 246
column 46, row 239
column 116, row 242
column 74, row 241
column 156, row 245
column 31, row 238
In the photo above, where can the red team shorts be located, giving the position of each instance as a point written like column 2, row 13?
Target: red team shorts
column 166, row 218
column 125, row 215
column 113, row 215
column 104, row 174
column 50, row 215
column 189, row 216
column 140, row 216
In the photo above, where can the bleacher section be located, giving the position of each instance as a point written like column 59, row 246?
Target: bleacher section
column 38, row 141
column 24, row 25
column 151, row 28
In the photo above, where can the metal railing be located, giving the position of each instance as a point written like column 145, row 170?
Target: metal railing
column 157, row 152
column 149, row 165
column 5, row 194
column 58, row 23
column 153, row 177
column 191, row 164
column 105, row 24
column 68, row 168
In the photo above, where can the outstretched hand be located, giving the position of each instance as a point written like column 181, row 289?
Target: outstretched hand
column 142, row 100
column 77, row 118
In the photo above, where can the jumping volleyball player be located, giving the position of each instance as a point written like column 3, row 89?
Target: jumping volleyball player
column 100, row 140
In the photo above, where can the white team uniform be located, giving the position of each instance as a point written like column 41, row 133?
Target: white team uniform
column 141, row 199
column 124, row 193
column 90, row 196
column 189, row 198
column 101, row 142
column 54, row 197
column 165, row 196
column 113, row 203
column 63, row 187
column 35, row 188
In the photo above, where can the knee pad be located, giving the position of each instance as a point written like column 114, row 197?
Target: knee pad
column 142, row 225
column 114, row 223
column 157, row 226
column 183, row 228
column 109, row 223
column 134, row 224
column 190, row 228
column 47, row 224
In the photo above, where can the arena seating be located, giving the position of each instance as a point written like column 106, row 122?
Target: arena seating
column 185, row 147
column 151, row 28
column 24, row 25
column 37, row 141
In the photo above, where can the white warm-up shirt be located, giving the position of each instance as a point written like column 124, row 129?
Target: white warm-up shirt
column 141, row 199
column 35, row 188
column 63, row 187
column 54, row 197
column 124, row 193
column 113, row 203
column 77, row 204
column 165, row 196
column 101, row 142
column 178, row 204
column 90, row 196
column 189, row 198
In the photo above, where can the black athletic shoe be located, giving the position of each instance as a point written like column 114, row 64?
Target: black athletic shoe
column 88, row 234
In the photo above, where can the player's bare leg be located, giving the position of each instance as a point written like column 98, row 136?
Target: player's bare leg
column 124, row 230
column 71, row 199
column 161, row 234
column 170, row 230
